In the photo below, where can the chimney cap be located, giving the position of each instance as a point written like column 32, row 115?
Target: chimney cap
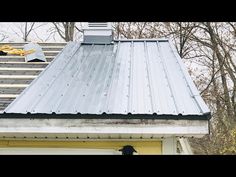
column 97, row 25
column 98, row 33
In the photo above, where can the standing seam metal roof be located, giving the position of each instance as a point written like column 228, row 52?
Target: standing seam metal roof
column 140, row 77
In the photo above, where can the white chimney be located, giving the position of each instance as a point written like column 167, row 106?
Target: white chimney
column 98, row 33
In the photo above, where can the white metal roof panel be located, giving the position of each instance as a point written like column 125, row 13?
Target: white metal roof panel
column 140, row 77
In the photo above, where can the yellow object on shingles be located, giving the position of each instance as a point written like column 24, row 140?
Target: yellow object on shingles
column 10, row 50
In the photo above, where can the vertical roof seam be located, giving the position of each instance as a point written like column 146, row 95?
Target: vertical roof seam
column 45, row 91
column 73, row 76
column 108, row 80
column 91, row 81
column 102, row 65
column 112, row 79
column 148, row 75
column 185, row 79
column 78, row 69
column 173, row 95
column 131, row 78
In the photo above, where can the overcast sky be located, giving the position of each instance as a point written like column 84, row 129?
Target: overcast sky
column 41, row 33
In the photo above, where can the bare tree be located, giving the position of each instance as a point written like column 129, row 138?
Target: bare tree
column 3, row 37
column 219, row 92
column 23, row 30
column 136, row 30
column 208, row 49
column 66, row 30
column 3, row 34
column 180, row 33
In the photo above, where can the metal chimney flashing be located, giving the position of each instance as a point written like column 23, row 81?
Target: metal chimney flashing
column 98, row 33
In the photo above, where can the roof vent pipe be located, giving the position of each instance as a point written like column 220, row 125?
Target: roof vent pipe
column 98, row 33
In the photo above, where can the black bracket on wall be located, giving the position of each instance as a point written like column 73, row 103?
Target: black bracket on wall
column 127, row 150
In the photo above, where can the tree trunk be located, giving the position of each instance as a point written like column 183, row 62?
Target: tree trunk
column 221, row 61
column 25, row 33
column 67, row 33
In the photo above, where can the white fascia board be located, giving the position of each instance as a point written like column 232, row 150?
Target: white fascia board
column 76, row 127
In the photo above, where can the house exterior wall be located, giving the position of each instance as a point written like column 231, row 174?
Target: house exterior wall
column 50, row 136
column 143, row 147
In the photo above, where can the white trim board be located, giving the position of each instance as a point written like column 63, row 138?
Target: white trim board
column 57, row 151
column 169, row 146
column 186, row 148
column 102, row 128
